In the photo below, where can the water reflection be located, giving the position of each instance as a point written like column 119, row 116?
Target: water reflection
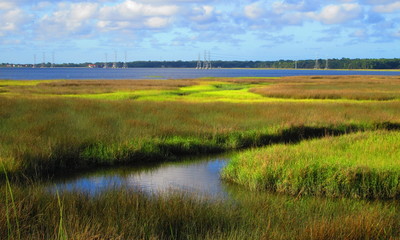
column 199, row 176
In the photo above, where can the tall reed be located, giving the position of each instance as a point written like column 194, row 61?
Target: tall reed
column 121, row 213
column 9, row 194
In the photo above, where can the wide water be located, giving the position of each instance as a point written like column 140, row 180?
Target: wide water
column 197, row 176
column 165, row 73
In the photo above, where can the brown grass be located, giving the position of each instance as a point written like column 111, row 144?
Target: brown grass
column 334, row 87
column 98, row 86
column 126, row 214
column 371, row 225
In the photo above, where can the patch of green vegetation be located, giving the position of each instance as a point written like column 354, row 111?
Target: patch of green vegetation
column 241, row 94
column 361, row 165
column 6, row 83
column 207, row 92
column 105, row 96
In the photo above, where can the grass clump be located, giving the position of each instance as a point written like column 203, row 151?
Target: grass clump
column 361, row 165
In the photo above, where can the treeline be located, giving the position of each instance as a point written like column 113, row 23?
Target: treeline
column 343, row 63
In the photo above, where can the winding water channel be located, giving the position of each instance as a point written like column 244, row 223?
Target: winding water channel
column 194, row 175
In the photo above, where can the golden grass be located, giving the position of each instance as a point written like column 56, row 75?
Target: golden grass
column 126, row 214
column 334, row 87
column 249, row 90
column 75, row 87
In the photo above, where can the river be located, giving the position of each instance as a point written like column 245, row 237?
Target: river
column 165, row 73
column 193, row 175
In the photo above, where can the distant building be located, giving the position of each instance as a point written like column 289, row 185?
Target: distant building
column 92, row 66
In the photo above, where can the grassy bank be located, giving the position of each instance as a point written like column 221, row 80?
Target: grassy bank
column 361, row 165
column 126, row 214
column 48, row 135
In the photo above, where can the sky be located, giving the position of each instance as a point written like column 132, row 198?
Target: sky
column 79, row 31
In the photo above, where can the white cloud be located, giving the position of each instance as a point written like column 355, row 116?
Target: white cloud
column 83, row 19
column 335, row 14
column 157, row 22
column 114, row 25
column 377, row 2
column 254, row 10
column 13, row 20
column 5, row 5
column 131, row 10
column 132, row 15
column 10, row 20
column 281, row 7
column 278, row 14
column 69, row 18
column 211, row 19
column 203, row 14
column 388, row 8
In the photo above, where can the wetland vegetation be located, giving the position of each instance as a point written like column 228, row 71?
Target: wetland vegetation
column 324, row 136
column 359, row 165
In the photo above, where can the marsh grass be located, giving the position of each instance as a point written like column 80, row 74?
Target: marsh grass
column 11, row 232
column 42, row 136
column 61, row 235
column 349, row 88
column 76, row 87
column 334, row 87
column 127, row 214
column 359, row 165
column 43, row 131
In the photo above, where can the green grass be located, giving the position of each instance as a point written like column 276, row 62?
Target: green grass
column 7, row 83
column 10, row 205
column 47, row 127
column 361, row 165
column 47, row 135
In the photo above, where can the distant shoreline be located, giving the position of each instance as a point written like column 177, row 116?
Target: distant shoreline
column 307, row 69
column 307, row 64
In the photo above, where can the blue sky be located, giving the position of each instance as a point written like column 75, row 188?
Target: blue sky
column 87, row 31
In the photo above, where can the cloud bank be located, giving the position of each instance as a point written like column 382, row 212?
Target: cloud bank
column 181, row 21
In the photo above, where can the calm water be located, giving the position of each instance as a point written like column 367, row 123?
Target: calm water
column 164, row 73
column 199, row 176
